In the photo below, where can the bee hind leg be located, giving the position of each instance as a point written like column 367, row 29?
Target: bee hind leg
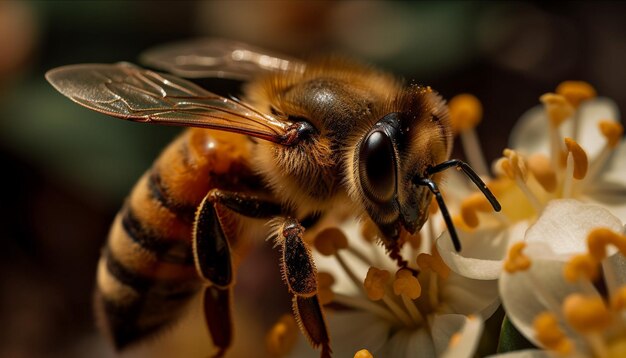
column 212, row 256
column 300, row 275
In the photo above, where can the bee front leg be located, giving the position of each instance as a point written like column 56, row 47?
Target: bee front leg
column 300, row 275
column 212, row 256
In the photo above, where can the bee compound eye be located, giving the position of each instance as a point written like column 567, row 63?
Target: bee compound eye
column 377, row 171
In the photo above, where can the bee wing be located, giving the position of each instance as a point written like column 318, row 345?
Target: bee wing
column 217, row 58
column 129, row 92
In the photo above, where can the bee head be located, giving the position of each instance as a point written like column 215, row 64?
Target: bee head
column 398, row 163
column 412, row 136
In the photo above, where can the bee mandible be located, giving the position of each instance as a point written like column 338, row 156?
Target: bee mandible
column 306, row 138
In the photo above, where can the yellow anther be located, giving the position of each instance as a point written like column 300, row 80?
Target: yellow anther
column 469, row 216
column 324, row 283
column 433, row 262
column 375, row 282
column 502, row 167
column 369, row 231
column 618, row 299
column 465, row 112
column 415, row 240
column 474, row 203
column 580, row 158
column 330, row 240
column 548, row 332
column 576, row 91
column 516, row 260
column 283, row 336
column 539, row 165
column 516, row 167
column 599, row 238
column 407, row 284
column 500, row 186
column 557, row 107
column 612, row 131
column 363, row 353
column 586, row 314
column 581, row 266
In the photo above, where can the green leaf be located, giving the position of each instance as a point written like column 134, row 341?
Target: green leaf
column 511, row 339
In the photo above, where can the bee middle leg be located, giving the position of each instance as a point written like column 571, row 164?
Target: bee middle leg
column 212, row 256
column 300, row 275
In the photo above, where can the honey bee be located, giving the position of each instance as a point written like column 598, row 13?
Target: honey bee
column 306, row 139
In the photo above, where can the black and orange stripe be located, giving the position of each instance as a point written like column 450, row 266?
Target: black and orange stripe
column 146, row 273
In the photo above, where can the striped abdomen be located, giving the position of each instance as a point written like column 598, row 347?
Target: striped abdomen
column 146, row 273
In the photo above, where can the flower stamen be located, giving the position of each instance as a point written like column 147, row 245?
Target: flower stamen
column 466, row 112
column 408, row 288
column 514, row 167
column 613, row 132
column 375, row 282
column 406, row 284
column 586, row 313
column 582, row 266
column 329, row 242
column 579, row 156
column 598, row 240
column 433, row 262
column 589, row 316
column 548, row 332
column 576, row 167
column 516, row 260
column 324, row 283
column 471, row 205
column 539, row 166
column 557, row 110
column 576, row 92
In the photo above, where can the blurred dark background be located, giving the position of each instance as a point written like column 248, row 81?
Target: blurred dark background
column 66, row 170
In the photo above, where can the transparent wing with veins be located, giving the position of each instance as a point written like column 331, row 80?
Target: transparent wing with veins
column 208, row 57
column 129, row 92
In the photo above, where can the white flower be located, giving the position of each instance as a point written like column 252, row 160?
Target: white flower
column 372, row 305
column 570, row 147
column 565, row 288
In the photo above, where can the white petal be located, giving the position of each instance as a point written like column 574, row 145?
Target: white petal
column 483, row 250
column 614, row 268
column 564, row 225
column 592, row 112
column 469, row 329
column 527, row 353
column 609, row 187
column 467, row 296
column 408, row 344
column 542, row 288
column 615, row 167
column 530, row 133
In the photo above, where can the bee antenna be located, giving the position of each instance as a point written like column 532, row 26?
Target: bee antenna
column 471, row 174
column 443, row 208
